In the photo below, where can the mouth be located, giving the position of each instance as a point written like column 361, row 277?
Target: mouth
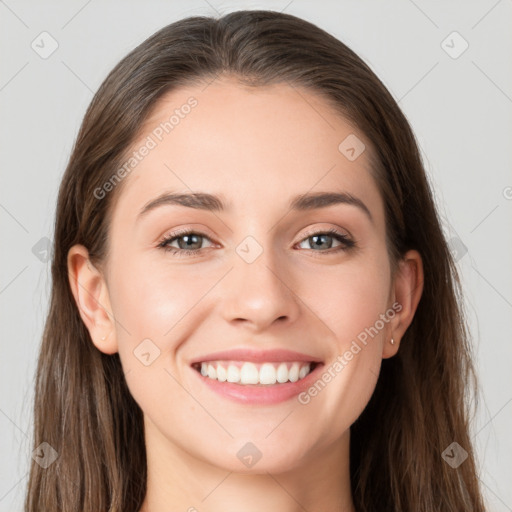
column 248, row 373
column 257, row 377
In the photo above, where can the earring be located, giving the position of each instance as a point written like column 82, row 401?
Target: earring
column 392, row 341
column 105, row 337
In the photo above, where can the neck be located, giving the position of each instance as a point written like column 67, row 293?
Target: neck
column 179, row 481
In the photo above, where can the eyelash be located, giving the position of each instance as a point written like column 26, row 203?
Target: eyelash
column 345, row 240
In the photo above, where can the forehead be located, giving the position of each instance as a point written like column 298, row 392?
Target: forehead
column 255, row 146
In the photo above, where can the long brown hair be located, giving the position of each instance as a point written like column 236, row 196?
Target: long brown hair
column 420, row 406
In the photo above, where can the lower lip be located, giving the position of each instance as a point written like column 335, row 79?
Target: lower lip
column 255, row 394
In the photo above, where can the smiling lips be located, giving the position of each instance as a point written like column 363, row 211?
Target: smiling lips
column 263, row 367
column 245, row 372
column 257, row 377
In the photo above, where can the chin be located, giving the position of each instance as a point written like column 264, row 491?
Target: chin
column 259, row 458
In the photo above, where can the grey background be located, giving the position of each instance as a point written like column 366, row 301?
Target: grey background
column 460, row 109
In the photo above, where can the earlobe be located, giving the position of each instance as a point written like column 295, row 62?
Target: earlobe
column 91, row 296
column 408, row 288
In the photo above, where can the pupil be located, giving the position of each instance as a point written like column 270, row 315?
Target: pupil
column 189, row 240
column 316, row 237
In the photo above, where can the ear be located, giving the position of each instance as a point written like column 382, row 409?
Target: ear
column 406, row 294
column 90, row 291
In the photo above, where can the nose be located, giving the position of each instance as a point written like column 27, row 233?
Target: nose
column 259, row 294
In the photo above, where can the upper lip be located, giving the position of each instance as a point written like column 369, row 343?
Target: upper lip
column 257, row 356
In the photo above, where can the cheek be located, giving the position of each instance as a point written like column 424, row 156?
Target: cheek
column 353, row 304
column 157, row 307
column 150, row 299
column 349, row 299
column 352, row 311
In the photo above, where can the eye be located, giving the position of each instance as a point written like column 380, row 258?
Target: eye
column 189, row 242
column 324, row 239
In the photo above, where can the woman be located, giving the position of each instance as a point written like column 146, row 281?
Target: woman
column 203, row 351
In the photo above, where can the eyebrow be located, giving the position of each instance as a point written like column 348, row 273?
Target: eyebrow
column 210, row 202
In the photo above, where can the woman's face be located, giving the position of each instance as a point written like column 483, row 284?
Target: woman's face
column 268, row 283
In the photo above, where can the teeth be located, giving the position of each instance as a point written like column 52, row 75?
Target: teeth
column 267, row 374
column 282, row 373
column 233, row 374
column 251, row 373
column 293, row 374
column 222, row 374
column 212, row 372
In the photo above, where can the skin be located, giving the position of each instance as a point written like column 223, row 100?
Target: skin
column 256, row 148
